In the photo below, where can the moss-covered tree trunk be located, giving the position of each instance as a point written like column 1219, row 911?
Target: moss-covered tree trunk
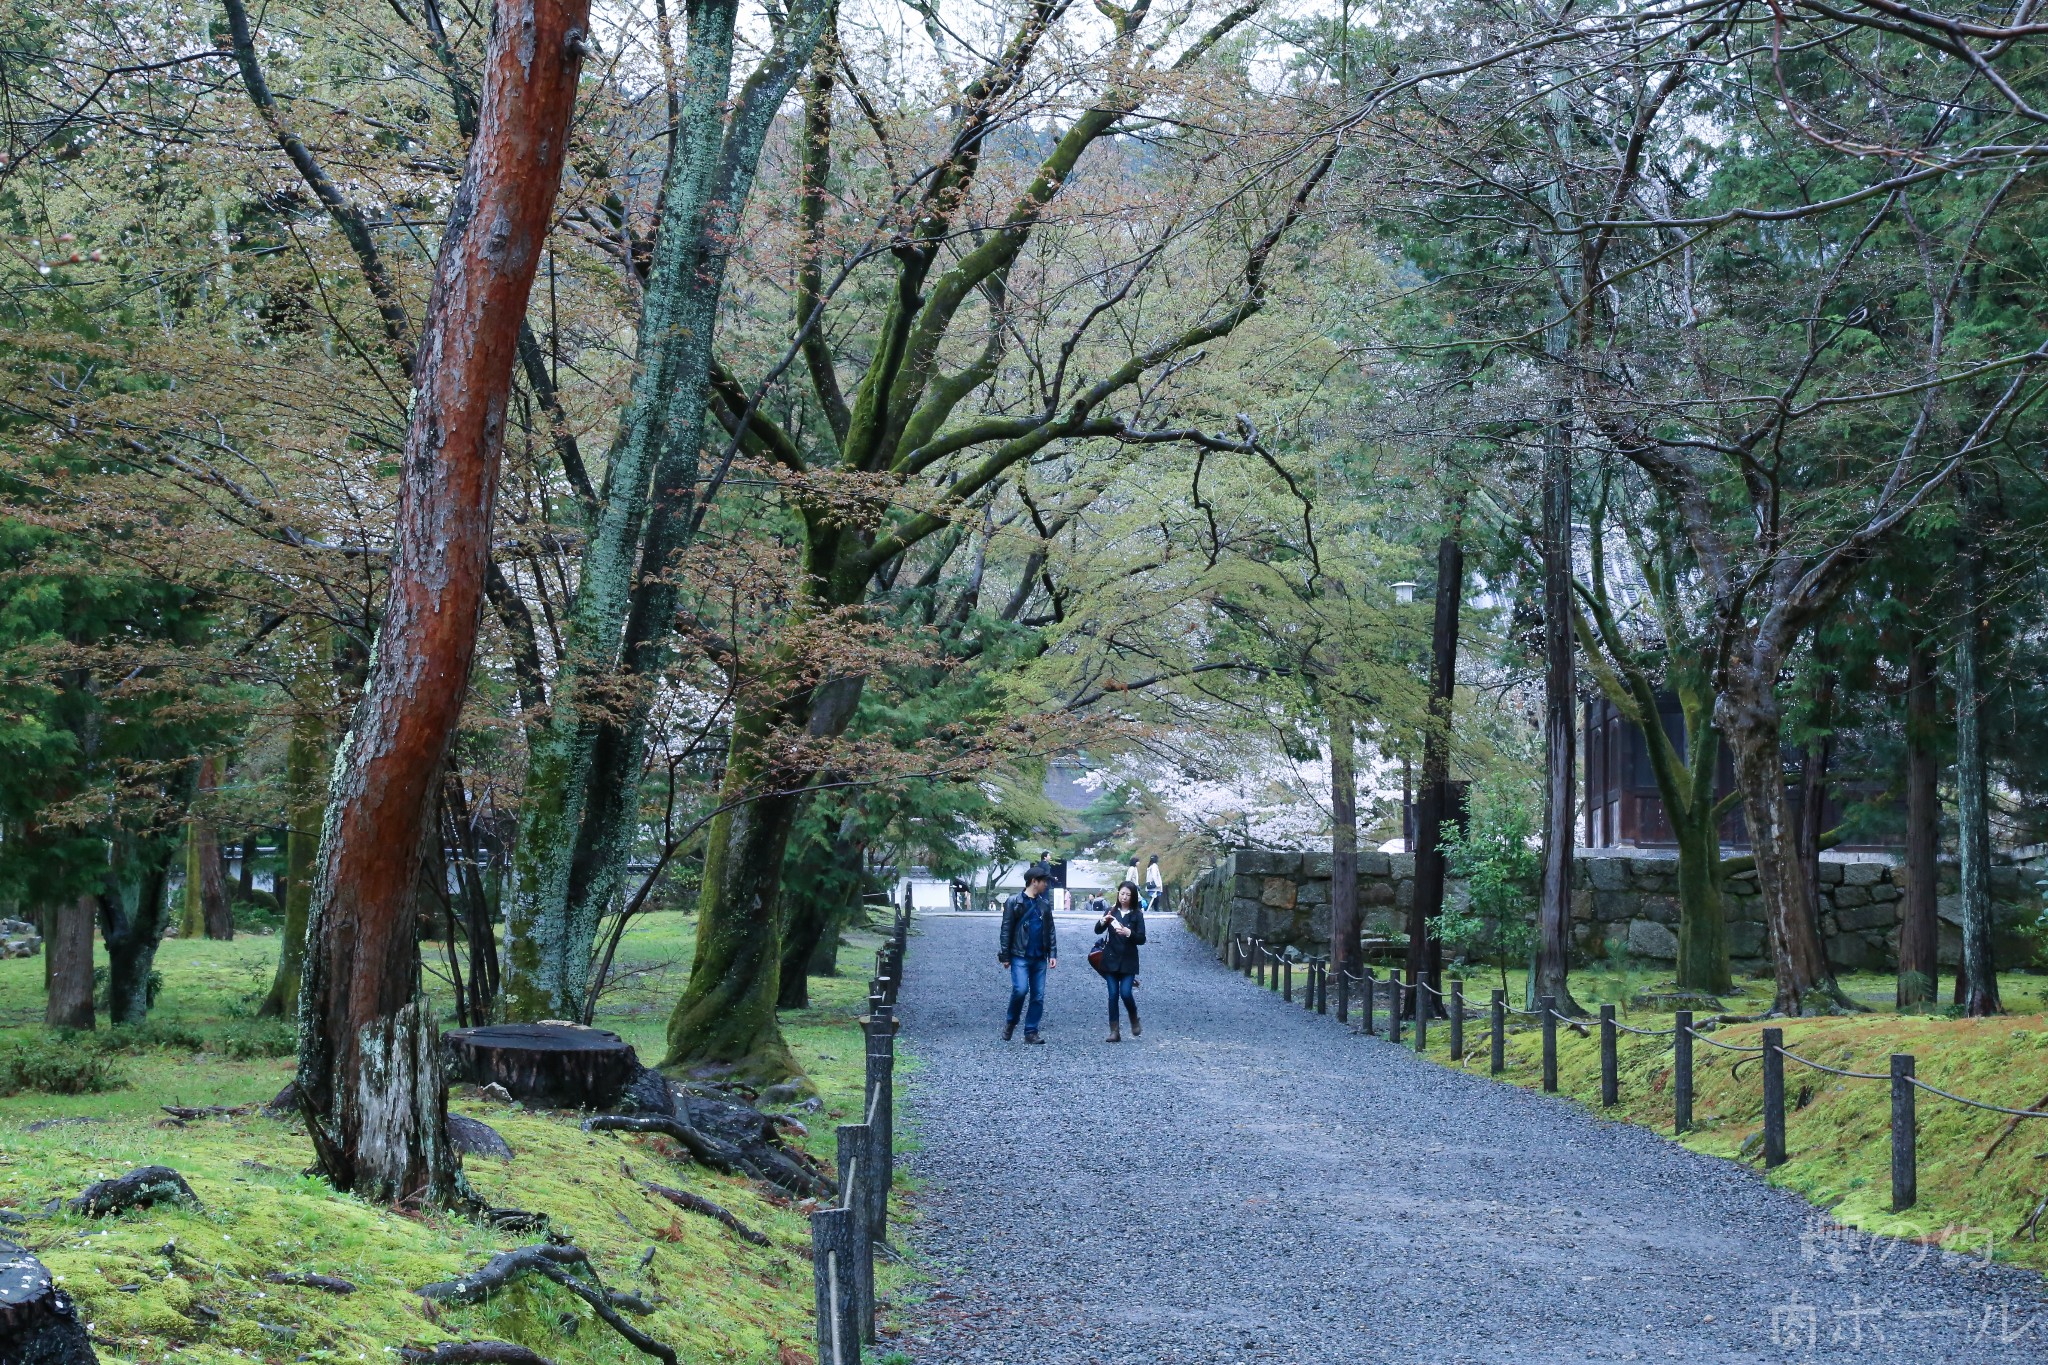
column 725, row 1023
column 584, row 781
column 304, row 754
column 1702, row 921
column 811, row 929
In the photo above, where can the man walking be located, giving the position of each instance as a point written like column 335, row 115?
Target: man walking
column 1028, row 946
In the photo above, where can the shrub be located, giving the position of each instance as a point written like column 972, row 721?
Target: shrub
column 1501, row 868
column 57, row 1066
column 265, row 1038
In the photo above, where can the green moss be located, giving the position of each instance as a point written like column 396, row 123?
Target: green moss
column 147, row 1280
column 1837, row 1131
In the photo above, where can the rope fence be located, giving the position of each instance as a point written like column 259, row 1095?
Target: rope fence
column 844, row 1238
column 1417, row 1001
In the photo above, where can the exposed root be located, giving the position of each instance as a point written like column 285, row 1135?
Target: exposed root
column 332, row 1284
column 698, row 1204
column 551, row 1261
column 708, row 1151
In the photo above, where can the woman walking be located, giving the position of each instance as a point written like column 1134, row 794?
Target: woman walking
column 1123, row 928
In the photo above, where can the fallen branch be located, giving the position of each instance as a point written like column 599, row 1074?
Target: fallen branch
column 205, row 1111
column 2011, row 1126
column 471, row 1353
column 696, row 1203
column 550, row 1260
column 708, row 1151
column 306, row 1279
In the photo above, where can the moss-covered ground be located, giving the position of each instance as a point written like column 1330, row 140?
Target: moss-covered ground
column 1978, row 1183
column 171, row 1284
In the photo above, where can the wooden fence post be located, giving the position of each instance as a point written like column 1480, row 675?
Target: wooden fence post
column 1681, row 1073
column 1457, row 1018
column 1322, row 988
column 1774, row 1097
column 1287, row 981
column 1610, row 1065
column 1497, row 1061
column 1905, row 1135
column 1372, row 997
column 881, row 1117
column 1395, row 1009
column 1548, row 1004
column 1343, row 996
column 1419, row 991
column 857, row 1270
column 832, row 1254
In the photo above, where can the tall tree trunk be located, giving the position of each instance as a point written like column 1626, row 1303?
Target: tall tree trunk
column 725, row 1023
column 369, row 1077
column 1977, row 982
column 1813, row 789
column 1754, row 728
column 133, row 910
column 1425, row 950
column 206, row 891
column 67, row 951
column 1552, row 974
column 1919, row 922
column 1343, row 840
column 1702, row 921
column 584, row 782
column 810, row 939
column 304, row 753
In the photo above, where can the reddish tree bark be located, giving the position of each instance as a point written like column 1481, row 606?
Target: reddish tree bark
column 370, row 1076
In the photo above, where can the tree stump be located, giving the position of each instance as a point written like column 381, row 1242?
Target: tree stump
column 38, row 1323
column 558, row 1066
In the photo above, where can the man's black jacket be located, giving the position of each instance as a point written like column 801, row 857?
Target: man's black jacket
column 1012, row 941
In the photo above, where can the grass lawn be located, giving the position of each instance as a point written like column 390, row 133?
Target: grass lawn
column 183, row 1285
column 1978, row 1183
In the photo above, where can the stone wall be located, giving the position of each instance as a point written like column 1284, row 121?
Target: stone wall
column 1622, row 903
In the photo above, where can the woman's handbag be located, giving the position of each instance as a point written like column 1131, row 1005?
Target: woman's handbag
column 1095, row 955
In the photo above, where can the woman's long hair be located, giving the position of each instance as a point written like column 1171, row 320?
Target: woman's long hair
column 1137, row 896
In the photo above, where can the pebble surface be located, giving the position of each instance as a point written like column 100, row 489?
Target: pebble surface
column 1252, row 1182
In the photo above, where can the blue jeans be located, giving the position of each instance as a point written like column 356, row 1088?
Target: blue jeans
column 1027, row 980
column 1120, row 989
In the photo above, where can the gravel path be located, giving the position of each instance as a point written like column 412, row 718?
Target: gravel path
column 1248, row 1182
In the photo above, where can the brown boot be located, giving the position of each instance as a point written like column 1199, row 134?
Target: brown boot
column 1114, row 1036
column 1137, row 1029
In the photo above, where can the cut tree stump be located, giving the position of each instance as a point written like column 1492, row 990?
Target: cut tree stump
column 556, row 1066
column 38, row 1323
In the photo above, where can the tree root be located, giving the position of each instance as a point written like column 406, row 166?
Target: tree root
column 550, row 1260
column 707, row 1150
column 471, row 1353
column 138, row 1189
column 698, row 1204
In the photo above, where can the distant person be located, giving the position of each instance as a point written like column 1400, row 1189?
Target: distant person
column 1123, row 929
column 1155, row 884
column 1028, row 946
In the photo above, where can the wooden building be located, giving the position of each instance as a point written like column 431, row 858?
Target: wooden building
column 1623, row 809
